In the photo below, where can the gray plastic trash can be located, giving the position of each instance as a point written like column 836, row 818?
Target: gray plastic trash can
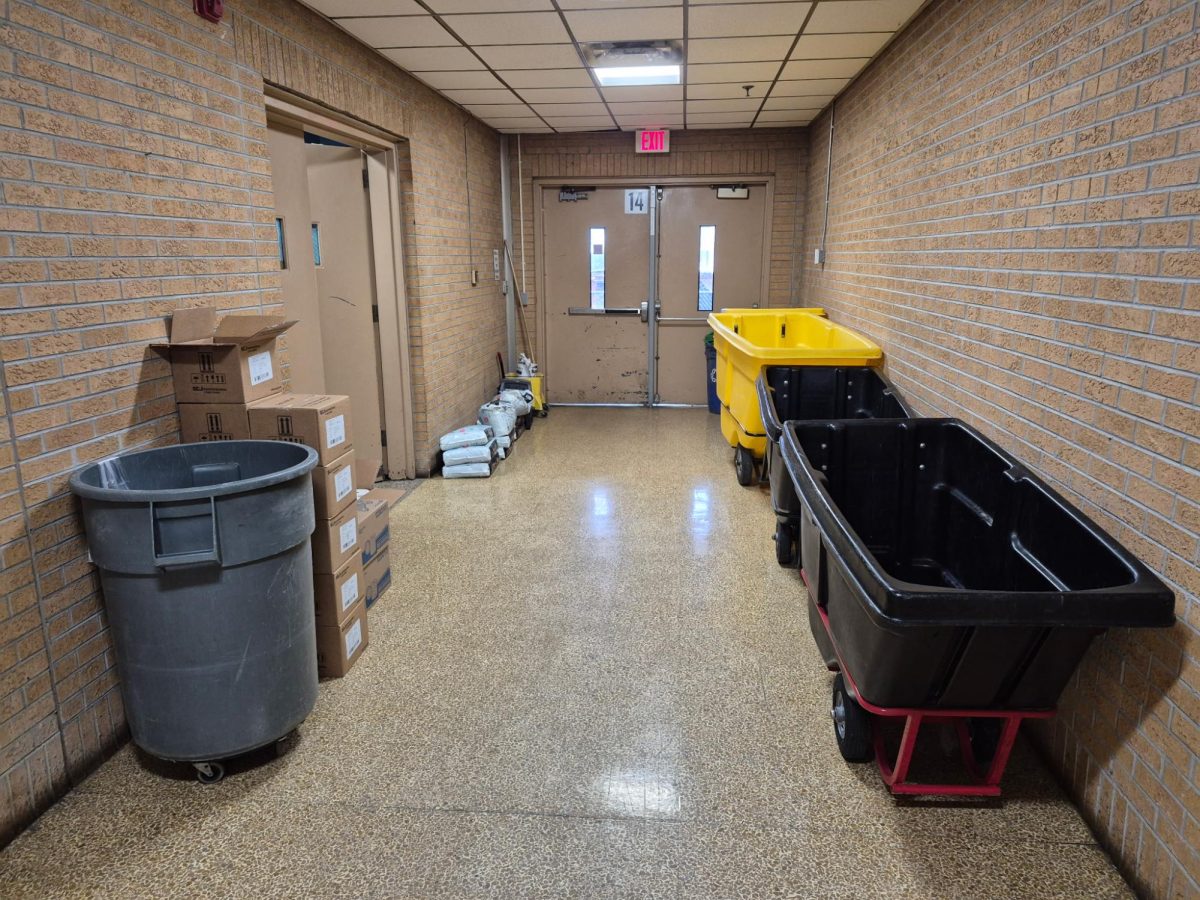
column 206, row 568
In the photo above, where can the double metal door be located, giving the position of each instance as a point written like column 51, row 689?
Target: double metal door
column 629, row 276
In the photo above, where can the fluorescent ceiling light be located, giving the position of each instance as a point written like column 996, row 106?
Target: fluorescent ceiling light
column 628, row 76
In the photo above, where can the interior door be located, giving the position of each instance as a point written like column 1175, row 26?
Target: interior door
column 711, row 256
column 297, row 277
column 341, row 239
column 596, row 256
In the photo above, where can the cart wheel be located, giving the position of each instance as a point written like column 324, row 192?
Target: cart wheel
column 743, row 464
column 528, row 420
column 785, row 544
column 209, row 772
column 851, row 724
column 284, row 744
column 985, row 737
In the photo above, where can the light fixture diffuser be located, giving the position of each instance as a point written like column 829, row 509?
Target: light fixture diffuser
column 629, row 76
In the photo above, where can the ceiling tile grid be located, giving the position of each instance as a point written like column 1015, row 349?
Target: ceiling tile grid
column 519, row 64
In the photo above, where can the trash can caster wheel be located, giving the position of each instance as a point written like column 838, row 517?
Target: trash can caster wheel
column 209, row 772
column 785, row 544
column 528, row 420
column 743, row 464
column 851, row 724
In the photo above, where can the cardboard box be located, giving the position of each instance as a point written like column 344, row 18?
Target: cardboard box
column 373, row 525
column 340, row 647
column 336, row 594
column 231, row 361
column 335, row 542
column 377, row 576
column 322, row 421
column 213, row 422
column 333, row 486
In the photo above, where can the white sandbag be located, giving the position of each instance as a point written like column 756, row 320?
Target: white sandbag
column 468, row 470
column 520, row 401
column 463, row 455
column 504, row 441
column 501, row 418
column 470, row 436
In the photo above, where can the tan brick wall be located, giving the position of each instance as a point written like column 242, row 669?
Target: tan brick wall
column 1014, row 218
column 779, row 152
column 134, row 180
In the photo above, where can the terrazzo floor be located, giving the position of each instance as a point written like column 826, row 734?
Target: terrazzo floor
column 589, row 679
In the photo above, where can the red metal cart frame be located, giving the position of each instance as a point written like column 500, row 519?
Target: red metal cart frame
column 985, row 783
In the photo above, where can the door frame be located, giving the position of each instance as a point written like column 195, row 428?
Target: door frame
column 382, row 151
column 542, row 183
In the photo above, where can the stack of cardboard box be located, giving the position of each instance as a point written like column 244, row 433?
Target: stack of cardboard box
column 228, row 387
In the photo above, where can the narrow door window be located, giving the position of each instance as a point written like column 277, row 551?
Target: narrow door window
column 708, row 250
column 279, row 242
column 316, row 243
column 596, row 255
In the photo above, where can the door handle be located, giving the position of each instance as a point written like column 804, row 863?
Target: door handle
column 609, row 311
column 644, row 311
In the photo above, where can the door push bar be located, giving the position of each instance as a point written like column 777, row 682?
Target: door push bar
column 610, row 311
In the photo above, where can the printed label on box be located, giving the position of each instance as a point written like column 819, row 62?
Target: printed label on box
column 335, row 431
column 348, row 535
column 343, row 482
column 353, row 638
column 349, row 592
column 260, row 367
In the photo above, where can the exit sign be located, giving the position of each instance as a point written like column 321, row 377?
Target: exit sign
column 652, row 140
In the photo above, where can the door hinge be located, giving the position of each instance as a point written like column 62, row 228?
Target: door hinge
column 374, row 313
column 366, row 183
column 383, row 438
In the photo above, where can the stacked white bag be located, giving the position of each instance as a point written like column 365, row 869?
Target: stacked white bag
column 468, row 452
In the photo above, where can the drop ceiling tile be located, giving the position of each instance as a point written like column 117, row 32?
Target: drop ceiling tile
column 531, row 56
column 746, row 19
column 631, row 122
column 811, row 104
column 627, row 24
column 560, row 95
column 478, row 97
column 643, row 92
column 824, row 68
column 429, row 59
column 799, row 123
column 730, row 119
column 567, row 129
column 653, row 107
column 509, row 28
column 514, row 121
column 615, row 4
column 334, row 8
column 580, row 121
column 740, row 73
column 398, row 31
column 730, row 91
column 839, row 46
column 714, row 126
column 528, row 129
column 702, row 106
column 454, row 81
column 736, row 50
column 488, row 6
column 785, row 115
column 547, row 78
column 493, row 110
column 809, row 87
column 570, row 109
column 834, row 16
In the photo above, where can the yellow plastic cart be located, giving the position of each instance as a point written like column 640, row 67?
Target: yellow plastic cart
column 748, row 339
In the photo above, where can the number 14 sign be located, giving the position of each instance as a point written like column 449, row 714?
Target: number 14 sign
column 636, row 201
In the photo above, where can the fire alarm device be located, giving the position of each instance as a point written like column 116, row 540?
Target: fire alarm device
column 211, row 10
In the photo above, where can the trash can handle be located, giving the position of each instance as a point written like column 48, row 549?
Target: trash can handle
column 197, row 557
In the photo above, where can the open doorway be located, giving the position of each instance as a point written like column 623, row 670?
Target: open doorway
column 337, row 228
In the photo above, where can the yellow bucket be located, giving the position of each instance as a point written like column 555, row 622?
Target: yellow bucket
column 748, row 339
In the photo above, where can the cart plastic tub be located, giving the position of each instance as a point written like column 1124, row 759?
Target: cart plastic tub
column 206, row 570
column 787, row 393
column 950, row 575
column 748, row 339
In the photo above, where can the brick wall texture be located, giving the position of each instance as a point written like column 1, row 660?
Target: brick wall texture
column 779, row 152
column 1013, row 217
column 134, row 180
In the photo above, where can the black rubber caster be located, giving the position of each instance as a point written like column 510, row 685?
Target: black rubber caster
column 786, row 537
column 209, row 772
column 851, row 724
column 743, row 464
column 528, row 417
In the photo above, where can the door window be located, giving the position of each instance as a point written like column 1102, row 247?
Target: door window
column 707, row 268
column 279, row 243
column 596, row 255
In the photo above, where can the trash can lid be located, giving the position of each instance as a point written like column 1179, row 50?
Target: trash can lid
column 189, row 471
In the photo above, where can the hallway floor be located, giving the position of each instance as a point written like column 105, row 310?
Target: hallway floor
column 589, row 679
